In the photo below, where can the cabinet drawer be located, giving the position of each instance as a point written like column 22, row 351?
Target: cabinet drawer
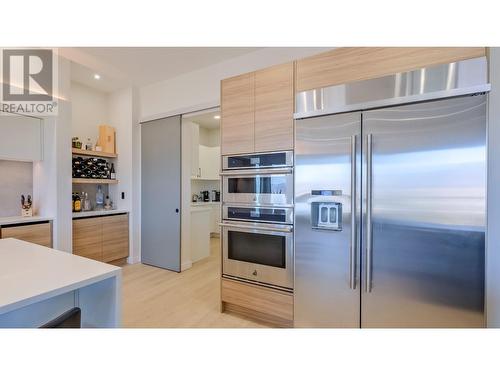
column 87, row 238
column 40, row 234
column 115, row 236
column 258, row 302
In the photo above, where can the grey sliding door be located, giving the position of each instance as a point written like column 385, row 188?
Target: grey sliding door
column 161, row 193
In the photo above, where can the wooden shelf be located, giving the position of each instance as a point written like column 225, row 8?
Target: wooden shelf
column 101, row 154
column 94, row 181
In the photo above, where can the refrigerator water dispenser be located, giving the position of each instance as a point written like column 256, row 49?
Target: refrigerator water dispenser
column 326, row 215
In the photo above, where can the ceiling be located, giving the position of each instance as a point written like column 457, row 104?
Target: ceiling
column 120, row 67
column 206, row 119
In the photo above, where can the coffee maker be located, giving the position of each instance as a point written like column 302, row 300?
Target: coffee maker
column 205, row 195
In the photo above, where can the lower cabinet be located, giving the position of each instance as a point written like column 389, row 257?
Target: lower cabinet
column 271, row 306
column 114, row 237
column 102, row 238
column 87, row 237
column 38, row 233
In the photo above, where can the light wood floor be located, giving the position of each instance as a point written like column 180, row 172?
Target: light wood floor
column 157, row 298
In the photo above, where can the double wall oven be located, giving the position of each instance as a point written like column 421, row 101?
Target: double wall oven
column 257, row 213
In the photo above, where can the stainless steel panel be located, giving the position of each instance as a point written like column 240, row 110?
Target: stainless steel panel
column 323, row 152
column 161, row 193
column 446, row 80
column 285, row 213
column 428, row 179
column 265, row 274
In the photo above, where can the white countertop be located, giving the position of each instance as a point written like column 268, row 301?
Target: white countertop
column 23, row 219
column 99, row 213
column 205, row 203
column 31, row 273
column 201, row 208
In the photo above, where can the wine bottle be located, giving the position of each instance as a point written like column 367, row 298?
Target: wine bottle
column 112, row 173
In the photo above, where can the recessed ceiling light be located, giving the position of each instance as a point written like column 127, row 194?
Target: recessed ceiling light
column 97, row 76
column 217, row 117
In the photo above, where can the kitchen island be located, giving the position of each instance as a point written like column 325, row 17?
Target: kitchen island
column 38, row 283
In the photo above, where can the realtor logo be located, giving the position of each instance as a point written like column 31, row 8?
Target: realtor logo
column 28, row 81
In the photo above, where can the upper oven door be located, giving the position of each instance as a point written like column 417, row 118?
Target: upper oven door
column 259, row 187
column 255, row 161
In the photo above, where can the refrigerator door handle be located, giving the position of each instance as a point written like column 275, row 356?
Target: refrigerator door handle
column 352, row 255
column 368, row 278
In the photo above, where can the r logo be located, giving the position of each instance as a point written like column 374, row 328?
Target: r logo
column 27, row 75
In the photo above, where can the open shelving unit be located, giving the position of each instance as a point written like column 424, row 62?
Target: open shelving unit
column 100, row 154
column 94, row 181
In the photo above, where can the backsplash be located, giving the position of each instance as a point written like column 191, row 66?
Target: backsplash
column 91, row 190
column 17, row 179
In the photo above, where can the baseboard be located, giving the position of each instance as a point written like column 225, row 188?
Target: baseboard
column 186, row 265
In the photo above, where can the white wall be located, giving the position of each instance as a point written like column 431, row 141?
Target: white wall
column 89, row 110
column 186, row 160
column 201, row 89
column 63, row 239
column 121, row 117
column 493, row 234
column 135, row 218
column 209, row 137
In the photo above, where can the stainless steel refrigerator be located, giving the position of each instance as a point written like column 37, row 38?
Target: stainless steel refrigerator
column 390, row 205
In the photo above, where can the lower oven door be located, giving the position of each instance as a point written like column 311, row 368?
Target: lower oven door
column 258, row 252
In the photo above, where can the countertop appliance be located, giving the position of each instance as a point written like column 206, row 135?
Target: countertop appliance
column 215, row 196
column 390, row 203
column 257, row 213
column 205, row 195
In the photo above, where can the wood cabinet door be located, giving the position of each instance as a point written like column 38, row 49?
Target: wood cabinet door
column 237, row 114
column 349, row 64
column 115, row 237
column 87, row 237
column 274, row 106
column 40, row 234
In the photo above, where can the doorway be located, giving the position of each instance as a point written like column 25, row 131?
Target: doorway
column 201, row 185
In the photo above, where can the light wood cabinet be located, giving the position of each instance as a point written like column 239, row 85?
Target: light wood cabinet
column 274, row 101
column 343, row 65
column 115, row 237
column 87, row 237
column 237, row 114
column 40, row 234
column 102, row 238
column 257, row 111
column 269, row 305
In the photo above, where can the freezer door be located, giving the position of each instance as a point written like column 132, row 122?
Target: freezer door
column 327, row 173
column 424, row 172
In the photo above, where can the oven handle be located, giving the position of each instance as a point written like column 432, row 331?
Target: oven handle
column 268, row 229
column 256, row 172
